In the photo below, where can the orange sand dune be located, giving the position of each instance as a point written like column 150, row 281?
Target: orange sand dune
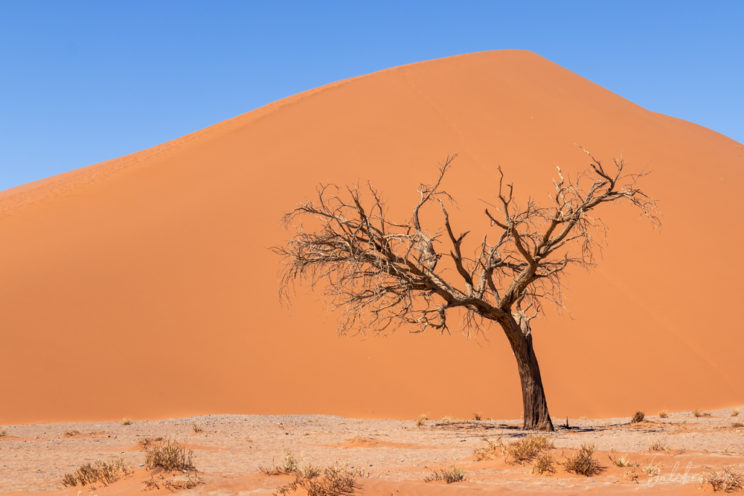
column 144, row 286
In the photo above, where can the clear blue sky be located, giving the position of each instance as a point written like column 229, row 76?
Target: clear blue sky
column 85, row 81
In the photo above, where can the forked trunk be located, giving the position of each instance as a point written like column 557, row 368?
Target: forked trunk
column 536, row 416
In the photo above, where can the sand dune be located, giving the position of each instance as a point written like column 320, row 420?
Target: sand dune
column 144, row 286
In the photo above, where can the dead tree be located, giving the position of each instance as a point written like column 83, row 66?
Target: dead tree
column 382, row 273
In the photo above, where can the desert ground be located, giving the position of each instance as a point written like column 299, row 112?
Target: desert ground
column 231, row 454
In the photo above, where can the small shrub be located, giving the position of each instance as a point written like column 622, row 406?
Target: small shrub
column 197, row 428
column 735, row 413
column 638, row 417
column 527, row 448
column 726, row 480
column 333, row 481
column 583, row 462
column 737, row 425
column 71, row 433
column 446, row 419
column 543, row 464
column 3, row 433
column 169, row 456
column 126, row 421
column 288, row 467
column 191, row 481
column 699, row 414
column 663, row 414
column 477, row 416
column 100, row 471
column 448, row 475
column 657, row 446
column 421, row 420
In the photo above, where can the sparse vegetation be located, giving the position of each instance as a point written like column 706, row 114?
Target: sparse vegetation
column 197, row 428
column 488, row 452
column 288, row 467
column 421, row 420
column 737, row 425
column 331, row 481
column 3, row 433
column 126, row 421
column 446, row 419
column 663, row 414
column 622, row 461
column 698, row 414
column 149, row 442
column 651, row 470
column 631, row 474
column 657, row 446
column 97, row 472
column 735, row 413
column 637, row 417
column 726, row 480
column 526, row 449
column 543, row 464
column 169, row 456
column 477, row 416
column 190, row 481
column 583, row 462
column 71, row 433
column 448, row 475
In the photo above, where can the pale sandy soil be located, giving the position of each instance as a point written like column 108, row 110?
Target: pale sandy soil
column 396, row 454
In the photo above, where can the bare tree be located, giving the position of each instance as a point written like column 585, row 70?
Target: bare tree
column 382, row 273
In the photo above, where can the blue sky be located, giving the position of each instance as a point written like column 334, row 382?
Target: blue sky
column 85, row 81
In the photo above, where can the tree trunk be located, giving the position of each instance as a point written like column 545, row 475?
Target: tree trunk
column 535, row 406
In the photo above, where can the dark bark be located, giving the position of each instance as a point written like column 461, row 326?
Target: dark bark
column 535, row 405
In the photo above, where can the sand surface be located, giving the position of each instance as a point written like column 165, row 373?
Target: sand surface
column 144, row 286
column 394, row 455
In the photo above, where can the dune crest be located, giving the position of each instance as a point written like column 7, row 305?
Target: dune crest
column 144, row 287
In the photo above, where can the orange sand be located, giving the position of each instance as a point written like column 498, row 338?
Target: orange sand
column 144, row 287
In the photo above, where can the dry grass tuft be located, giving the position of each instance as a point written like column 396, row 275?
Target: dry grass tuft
column 448, row 475
column 583, row 462
column 148, row 442
column 169, row 456
column 663, row 414
column 71, row 433
column 477, row 416
column 288, row 467
column 331, row 481
column 638, row 417
column 527, row 448
column 489, row 452
column 3, row 433
column 543, row 464
column 421, row 420
column 737, row 425
column 197, row 428
column 622, row 461
column 726, row 480
column 446, row 419
column 97, row 472
column 126, row 421
column 657, row 446
column 735, row 413
column 699, row 414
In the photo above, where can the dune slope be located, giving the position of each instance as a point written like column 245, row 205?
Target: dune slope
column 144, row 286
